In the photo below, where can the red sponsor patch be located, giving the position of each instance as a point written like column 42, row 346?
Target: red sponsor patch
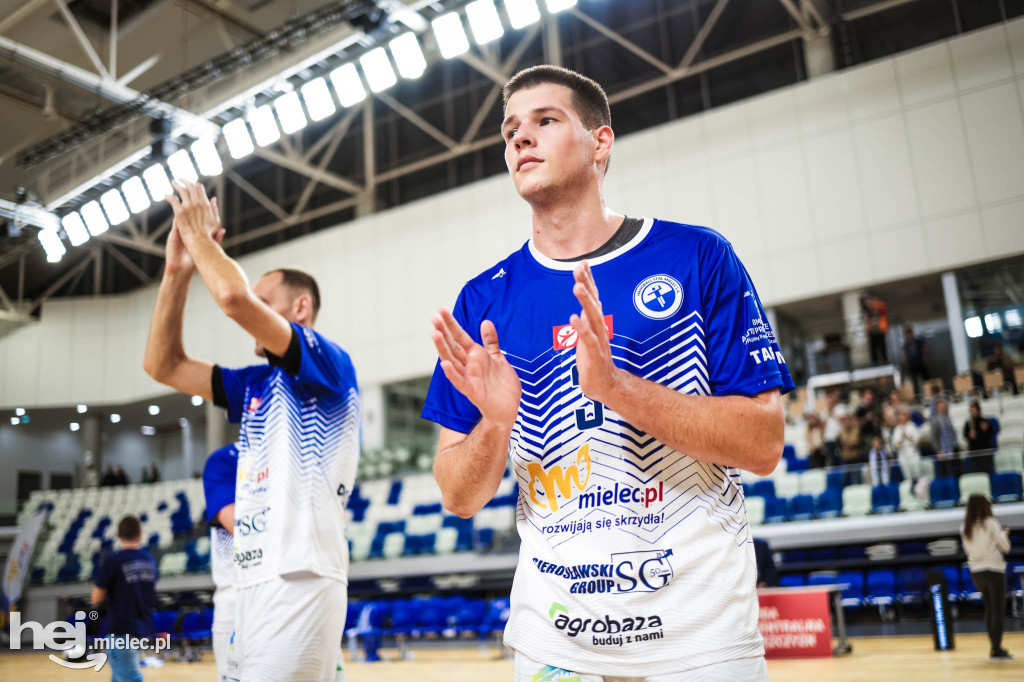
column 564, row 336
column 254, row 404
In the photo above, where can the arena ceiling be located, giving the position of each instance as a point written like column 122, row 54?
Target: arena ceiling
column 82, row 82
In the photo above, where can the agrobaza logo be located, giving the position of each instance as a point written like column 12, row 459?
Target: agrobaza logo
column 636, row 628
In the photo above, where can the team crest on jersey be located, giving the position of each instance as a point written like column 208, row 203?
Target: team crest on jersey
column 565, row 336
column 658, row 297
column 254, row 403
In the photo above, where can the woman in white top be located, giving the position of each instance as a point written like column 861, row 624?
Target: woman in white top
column 985, row 543
column 904, row 441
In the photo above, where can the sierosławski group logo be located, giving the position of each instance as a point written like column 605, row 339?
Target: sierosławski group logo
column 70, row 639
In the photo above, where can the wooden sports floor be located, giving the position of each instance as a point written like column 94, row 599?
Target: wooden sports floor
column 874, row 659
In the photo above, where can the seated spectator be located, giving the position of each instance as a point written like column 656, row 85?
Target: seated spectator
column 979, row 436
column 878, row 462
column 944, row 440
column 815, row 441
column 869, row 415
column 851, row 449
column 109, row 477
column 1000, row 360
column 904, row 441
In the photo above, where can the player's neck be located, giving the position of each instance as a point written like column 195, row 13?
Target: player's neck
column 569, row 228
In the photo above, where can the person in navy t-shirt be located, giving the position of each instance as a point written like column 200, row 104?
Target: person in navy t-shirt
column 127, row 582
column 298, row 445
column 637, row 373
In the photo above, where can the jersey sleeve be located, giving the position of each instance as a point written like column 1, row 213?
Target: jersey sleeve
column 235, row 381
column 324, row 369
column 743, row 354
column 445, row 405
column 219, row 475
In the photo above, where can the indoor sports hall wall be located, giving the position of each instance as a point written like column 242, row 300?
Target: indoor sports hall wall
column 908, row 165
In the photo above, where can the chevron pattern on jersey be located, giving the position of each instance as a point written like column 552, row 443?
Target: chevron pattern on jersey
column 318, row 439
column 547, row 433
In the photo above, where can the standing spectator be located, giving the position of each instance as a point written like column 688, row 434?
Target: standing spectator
column 876, row 318
column 936, row 396
column 832, row 428
column 851, row 447
column 127, row 579
column 944, row 440
column 904, row 441
column 878, row 462
column 985, row 543
column 154, row 474
column 979, row 436
column 145, row 475
column 915, row 359
column 891, row 411
column 1000, row 360
column 109, row 477
column 120, row 477
column 815, row 442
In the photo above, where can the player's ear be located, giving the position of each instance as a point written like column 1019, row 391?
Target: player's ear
column 604, row 138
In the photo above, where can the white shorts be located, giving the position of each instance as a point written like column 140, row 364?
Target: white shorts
column 289, row 629
column 745, row 669
column 223, row 628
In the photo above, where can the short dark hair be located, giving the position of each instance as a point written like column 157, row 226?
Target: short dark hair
column 130, row 529
column 588, row 96
column 300, row 279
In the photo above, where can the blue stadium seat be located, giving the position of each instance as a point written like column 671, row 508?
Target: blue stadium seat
column 853, row 595
column 911, row 585
column 395, row 492
column 945, row 492
column 792, row 580
column 797, row 464
column 835, row 480
column 68, row 573
column 1007, row 486
column 358, row 504
column 484, row 538
column 801, row 508
column 775, row 510
column 427, row 509
column 195, row 625
column 881, row 587
column 912, row 548
column 765, row 488
column 881, row 500
column 181, row 518
column 894, row 493
column 495, row 617
column 431, row 617
column 165, row 621
column 822, row 578
column 38, row 575
column 464, row 539
column 101, row 528
column 403, row 617
column 830, row 503
column 788, row 452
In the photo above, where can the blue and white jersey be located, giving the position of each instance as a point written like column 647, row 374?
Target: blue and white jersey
column 219, row 474
column 298, row 450
column 635, row 559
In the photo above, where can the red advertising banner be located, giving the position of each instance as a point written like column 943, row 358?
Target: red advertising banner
column 795, row 624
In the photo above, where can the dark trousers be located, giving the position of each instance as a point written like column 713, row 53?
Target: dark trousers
column 879, row 352
column 992, row 586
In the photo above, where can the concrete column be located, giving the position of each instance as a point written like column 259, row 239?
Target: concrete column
column 856, row 331
column 955, row 317
column 216, row 427
column 372, row 408
column 92, row 445
column 818, row 56
column 186, row 447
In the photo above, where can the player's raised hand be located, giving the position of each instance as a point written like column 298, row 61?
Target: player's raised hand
column 594, row 362
column 195, row 216
column 479, row 372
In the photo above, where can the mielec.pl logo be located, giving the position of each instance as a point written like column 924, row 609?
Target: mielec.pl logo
column 59, row 637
